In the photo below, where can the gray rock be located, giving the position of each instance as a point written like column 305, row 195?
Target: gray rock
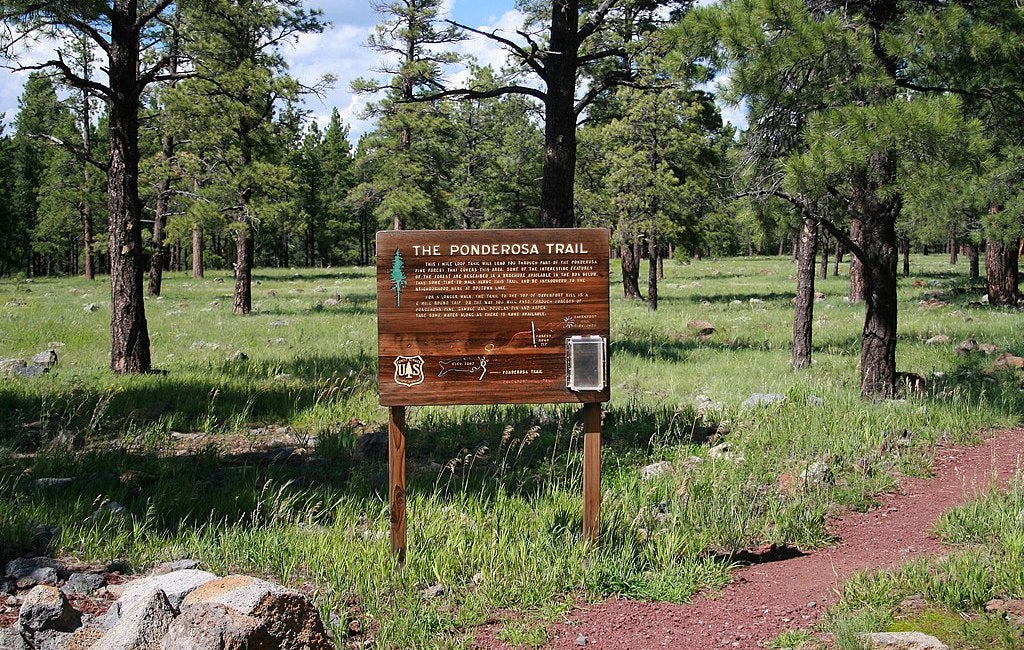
column 433, row 591
column 815, row 401
column 723, row 450
column 655, row 469
column 11, row 638
column 46, row 359
column 763, row 399
column 50, row 640
column 238, row 355
column 291, row 619
column 177, row 565
column 967, row 345
column 141, row 626
column 216, row 627
column 371, row 446
column 175, row 586
column 9, row 367
column 46, row 608
column 91, row 307
column 8, row 587
column 83, row 583
column 331, row 302
column 30, row 370
column 84, row 638
column 704, row 406
column 816, row 473
column 903, row 641
column 51, row 483
column 581, row 640
column 940, row 339
column 27, row 572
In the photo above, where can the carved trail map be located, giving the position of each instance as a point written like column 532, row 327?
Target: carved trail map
column 482, row 317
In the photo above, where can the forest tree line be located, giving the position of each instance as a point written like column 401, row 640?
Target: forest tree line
column 874, row 127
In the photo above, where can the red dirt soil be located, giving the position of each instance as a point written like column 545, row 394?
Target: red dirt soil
column 766, row 599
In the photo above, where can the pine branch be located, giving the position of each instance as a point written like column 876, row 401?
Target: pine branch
column 75, row 151
column 529, row 58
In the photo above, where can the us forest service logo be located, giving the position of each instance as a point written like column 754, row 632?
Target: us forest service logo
column 409, row 371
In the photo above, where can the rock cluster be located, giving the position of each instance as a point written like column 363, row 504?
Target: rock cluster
column 176, row 607
column 37, row 365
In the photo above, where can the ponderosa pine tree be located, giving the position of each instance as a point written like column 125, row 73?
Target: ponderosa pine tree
column 405, row 153
column 826, row 76
column 119, row 28
column 239, row 82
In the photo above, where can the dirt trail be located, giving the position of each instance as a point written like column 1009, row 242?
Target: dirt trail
column 766, row 599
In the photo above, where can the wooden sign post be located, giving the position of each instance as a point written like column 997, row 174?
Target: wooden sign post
column 493, row 317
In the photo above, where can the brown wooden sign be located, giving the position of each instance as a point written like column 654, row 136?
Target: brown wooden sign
column 492, row 316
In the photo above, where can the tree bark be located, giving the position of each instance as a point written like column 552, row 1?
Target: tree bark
column 129, row 346
column 838, row 259
column 905, row 245
column 973, row 256
column 560, row 64
column 197, row 251
column 803, row 318
column 857, row 289
column 878, row 242
column 954, row 245
column 661, row 264
column 1001, row 265
column 824, row 254
column 630, row 271
column 652, row 270
column 243, row 269
column 163, row 198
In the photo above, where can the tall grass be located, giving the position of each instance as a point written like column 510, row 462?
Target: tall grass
column 494, row 492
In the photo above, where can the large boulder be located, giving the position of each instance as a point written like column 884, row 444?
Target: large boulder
column 216, row 627
column 46, row 608
column 290, row 618
column 175, row 585
column 140, row 627
column 84, row 638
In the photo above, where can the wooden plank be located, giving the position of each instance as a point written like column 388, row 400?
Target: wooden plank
column 482, row 316
column 396, row 480
column 591, row 471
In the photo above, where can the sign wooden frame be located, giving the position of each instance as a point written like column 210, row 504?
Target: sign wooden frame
column 485, row 317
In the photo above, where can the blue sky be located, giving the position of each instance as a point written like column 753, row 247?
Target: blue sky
column 341, row 51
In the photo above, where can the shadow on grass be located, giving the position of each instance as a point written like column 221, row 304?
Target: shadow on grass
column 218, row 480
column 228, row 396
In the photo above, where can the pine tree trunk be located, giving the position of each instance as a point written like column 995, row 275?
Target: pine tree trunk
column 782, row 245
column 954, row 246
column 857, row 288
column 86, row 212
column 661, row 264
column 823, row 271
column 838, row 259
column 1001, row 264
column 878, row 242
column 652, row 270
column 129, row 345
column 803, row 318
column 163, row 197
column 630, row 271
column 973, row 256
column 243, row 270
column 197, row 251
column 560, row 62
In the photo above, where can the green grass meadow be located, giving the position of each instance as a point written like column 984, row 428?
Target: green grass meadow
column 494, row 492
